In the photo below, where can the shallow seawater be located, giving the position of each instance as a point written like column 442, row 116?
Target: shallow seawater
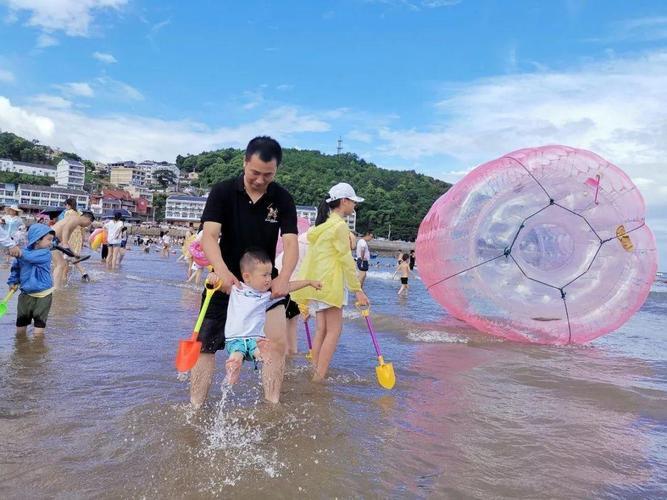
column 96, row 409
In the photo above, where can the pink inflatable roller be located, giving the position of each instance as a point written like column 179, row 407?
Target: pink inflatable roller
column 545, row 245
column 302, row 225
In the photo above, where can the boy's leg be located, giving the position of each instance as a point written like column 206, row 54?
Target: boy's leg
column 233, row 367
column 40, row 313
column 201, row 377
column 21, row 330
column 274, row 366
column 334, row 325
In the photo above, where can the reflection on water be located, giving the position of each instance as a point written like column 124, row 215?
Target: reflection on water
column 96, row 409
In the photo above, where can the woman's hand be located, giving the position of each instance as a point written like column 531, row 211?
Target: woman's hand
column 362, row 300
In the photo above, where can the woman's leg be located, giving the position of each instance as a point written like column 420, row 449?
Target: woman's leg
column 320, row 332
column 291, row 335
column 334, row 324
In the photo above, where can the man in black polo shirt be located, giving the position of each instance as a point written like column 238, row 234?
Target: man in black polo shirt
column 246, row 212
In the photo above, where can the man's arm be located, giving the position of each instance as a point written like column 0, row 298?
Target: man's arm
column 68, row 227
column 280, row 285
column 209, row 242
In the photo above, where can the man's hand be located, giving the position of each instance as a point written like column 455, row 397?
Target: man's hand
column 227, row 278
column 280, row 286
column 14, row 251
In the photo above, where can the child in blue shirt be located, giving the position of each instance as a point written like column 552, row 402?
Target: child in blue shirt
column 31, row 272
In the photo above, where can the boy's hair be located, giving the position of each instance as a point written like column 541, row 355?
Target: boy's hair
column 89, row 214
column 266, row 147
column 368, row 232
column 253, row 257
column 405, row 257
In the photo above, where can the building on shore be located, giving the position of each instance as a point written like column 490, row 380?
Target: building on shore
column 33, row 198
column 110, row 200
column 19, row 167
column 70, row 174
column 125, row 176
column 183, row 209
column 310, row 213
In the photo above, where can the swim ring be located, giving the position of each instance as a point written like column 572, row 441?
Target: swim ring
column 198, row 255
column 302, row 225
column 99, row 240
column 546, row 245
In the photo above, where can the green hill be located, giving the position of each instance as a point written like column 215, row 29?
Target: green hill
column 396, row 199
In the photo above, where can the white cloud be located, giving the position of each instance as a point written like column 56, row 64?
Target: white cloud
column 7, row 76
column 105, row 57
column 23, row 122
column 117, row 90
column 81, row 89
column 45, row 40
column 115, row 137
column 614, row 108
column 73, row 17
column 51, row 101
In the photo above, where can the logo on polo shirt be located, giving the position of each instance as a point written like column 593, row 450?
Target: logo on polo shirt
column 271, row 215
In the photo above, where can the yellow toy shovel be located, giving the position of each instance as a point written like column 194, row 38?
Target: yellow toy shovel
column 384, row 371
column 304, row 314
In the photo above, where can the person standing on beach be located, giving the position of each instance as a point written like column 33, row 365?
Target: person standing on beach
column 330, row 262
column 114, row 237
column 363, row 256
column 249, row 211
column 75, row 241
column 63, row 231
column 7, row 242
column 412, row 260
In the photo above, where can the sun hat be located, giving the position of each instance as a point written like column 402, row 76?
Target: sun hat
column 14, row 207
column 343, row 190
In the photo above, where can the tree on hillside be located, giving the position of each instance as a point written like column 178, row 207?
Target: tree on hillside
column 164, row 178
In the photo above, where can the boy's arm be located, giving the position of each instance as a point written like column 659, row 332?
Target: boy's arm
column 299, row 284
column 41, row 256
column 14, row 278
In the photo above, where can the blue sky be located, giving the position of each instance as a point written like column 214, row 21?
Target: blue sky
column 433, row 85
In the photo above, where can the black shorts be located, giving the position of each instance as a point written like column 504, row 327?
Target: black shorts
column 404, row 281
column 292, row 309
column 212, row 331
column 362, row 265
column 31, row 309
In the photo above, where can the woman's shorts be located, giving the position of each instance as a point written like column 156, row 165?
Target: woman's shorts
column 316, row 306
column 362, row 265
column 31, row 309
column 404, row 281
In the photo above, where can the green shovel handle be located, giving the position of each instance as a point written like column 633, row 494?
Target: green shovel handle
column 210, row 290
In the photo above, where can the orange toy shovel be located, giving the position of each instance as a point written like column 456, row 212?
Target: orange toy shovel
column 188, row 350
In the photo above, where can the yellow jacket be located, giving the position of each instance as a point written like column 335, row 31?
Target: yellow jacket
column 329, row 260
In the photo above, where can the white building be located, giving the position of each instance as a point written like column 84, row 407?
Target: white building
column 8, row 194
column 20, row 167
column 310, row 213
column 32, row 196
column 71, row 174
column 150, row 167
column 182, row 208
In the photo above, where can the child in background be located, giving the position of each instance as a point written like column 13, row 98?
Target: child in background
column 403, row 268
column 31, row 272
column 246, row 312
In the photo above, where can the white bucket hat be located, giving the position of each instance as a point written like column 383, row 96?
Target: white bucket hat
column 343, row 190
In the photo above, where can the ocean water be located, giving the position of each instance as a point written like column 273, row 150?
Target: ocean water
column 97, row 409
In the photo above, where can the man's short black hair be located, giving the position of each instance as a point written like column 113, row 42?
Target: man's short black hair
column 253, row 257
column 266, row 147
column 89, row 214
column 368, row 231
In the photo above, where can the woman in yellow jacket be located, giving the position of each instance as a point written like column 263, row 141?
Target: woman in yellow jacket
column 330, row 261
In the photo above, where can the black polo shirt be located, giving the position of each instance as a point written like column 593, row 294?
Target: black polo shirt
column 246, row 224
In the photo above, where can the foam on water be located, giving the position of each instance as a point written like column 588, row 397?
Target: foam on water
column 433, row 336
